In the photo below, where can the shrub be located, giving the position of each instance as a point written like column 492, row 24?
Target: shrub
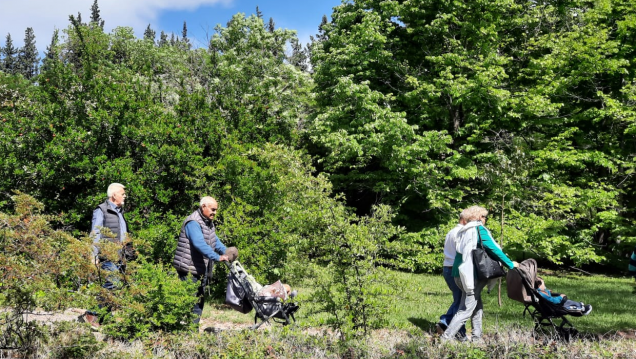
column 154, row 300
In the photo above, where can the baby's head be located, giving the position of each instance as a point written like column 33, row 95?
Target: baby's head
column 539, row 284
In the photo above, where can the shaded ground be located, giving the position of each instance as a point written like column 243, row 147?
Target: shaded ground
column 212, row 324
column 75, row 314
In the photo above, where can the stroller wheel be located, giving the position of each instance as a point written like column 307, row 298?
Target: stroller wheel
column 567, row 333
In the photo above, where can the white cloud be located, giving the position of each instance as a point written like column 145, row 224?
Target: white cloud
column 46, row 15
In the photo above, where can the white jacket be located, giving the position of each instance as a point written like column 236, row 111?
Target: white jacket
column 465, row 244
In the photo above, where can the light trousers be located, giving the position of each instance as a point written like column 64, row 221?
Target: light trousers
column 471, row 307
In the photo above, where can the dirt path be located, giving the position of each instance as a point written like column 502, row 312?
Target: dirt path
column 75, row 315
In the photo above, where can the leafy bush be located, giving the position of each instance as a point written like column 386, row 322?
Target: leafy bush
column 55, row 266
column 349, row 286
column 154, row 300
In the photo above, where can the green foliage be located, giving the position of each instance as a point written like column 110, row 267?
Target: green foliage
column 72, row 341
column 9, row 63
column 16, row 333
column 47, row 261
column 430, row 106
column 350, row 287
column 154, row 300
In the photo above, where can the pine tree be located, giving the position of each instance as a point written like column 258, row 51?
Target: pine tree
column 172, row 40
column 184, row 34
column 299, row 56
column 271, row 26
column 321, row 29
column 9, row 63
column 163, row 39
column 259, row 14
column 150, row 34
column 27, row 61
column 95, row 18
column 51, row 52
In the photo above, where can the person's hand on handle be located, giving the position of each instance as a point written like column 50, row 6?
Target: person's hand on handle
column 224, row 258
column 515, row 264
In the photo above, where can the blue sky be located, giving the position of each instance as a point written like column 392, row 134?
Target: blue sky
column 302, row 16
column 201, row 16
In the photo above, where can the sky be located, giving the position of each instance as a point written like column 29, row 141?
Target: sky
column 201, row 16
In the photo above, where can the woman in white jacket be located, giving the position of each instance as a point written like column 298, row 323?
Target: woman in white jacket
column 464, row 272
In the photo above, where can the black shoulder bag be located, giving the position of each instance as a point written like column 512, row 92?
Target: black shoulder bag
column 486, row 267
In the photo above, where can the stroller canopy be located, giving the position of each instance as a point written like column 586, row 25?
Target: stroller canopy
column 526, row 274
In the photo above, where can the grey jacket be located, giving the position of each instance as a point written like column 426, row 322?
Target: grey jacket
column 186, row 257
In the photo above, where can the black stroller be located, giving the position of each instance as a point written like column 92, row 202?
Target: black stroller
column 244, row 293
column 520, row 282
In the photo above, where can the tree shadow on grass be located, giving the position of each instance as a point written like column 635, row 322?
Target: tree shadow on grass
column 423, row 324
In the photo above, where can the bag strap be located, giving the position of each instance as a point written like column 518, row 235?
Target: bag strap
column 479, row 239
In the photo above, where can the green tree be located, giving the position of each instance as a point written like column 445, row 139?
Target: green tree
column 298, row 56
column 150, row 34
column 10, row 53
column 51, row 55
column 184, row 37
column 163, row 39
column 95, row 17
column 27, row 58
column 432, row 105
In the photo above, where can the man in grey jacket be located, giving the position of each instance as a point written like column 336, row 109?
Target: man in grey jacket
column 198, row 248
column 109, row 215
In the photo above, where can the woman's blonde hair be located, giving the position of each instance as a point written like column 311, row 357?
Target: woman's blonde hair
column 474, row 213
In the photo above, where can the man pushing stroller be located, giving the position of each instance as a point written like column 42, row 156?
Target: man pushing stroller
column 198, row 248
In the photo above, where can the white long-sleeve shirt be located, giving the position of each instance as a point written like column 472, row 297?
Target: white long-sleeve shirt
column 449, row 246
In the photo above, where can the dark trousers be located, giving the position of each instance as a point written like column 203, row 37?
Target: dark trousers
column 198, row 306
column 112, row 281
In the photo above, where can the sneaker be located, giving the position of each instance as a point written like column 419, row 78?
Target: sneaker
column 440, row 328
column 212, row 330
column 461, row 338
column 588, row 309
column 91, row 319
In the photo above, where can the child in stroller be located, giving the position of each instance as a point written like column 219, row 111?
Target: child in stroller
column 562, row 299
column 523, row 285
column 274, row 301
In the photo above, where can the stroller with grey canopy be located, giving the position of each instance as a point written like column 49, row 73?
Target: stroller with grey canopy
column 520, row 287
column 244, row 293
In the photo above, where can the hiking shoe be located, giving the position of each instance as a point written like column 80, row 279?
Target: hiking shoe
column 440, row 328
column 588, row 309
column 91, row 319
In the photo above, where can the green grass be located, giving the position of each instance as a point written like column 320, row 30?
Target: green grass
column 422, row 298
column 613, row 300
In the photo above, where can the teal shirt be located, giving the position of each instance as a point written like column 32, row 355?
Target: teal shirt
column 493, row 251
column 632, row 264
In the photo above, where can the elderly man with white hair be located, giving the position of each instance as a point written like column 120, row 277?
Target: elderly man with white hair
column 109, row 214
column 199, row 248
